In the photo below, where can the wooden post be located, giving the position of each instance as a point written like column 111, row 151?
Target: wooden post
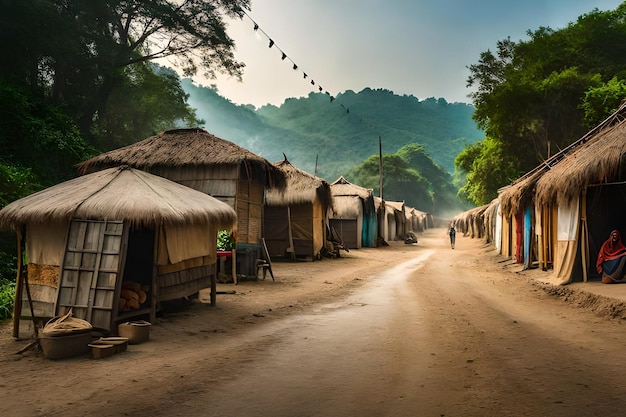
column 17, row 304
column 154, row 291
column 291, row 249
column 584, row 244
column 214, row 286
column 234, row 265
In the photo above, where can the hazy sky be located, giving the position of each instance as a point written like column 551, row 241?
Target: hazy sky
column 413, row 47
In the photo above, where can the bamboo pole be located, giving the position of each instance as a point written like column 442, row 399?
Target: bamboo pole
column 17, row 303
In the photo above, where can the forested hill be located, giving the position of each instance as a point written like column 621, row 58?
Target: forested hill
column 341, row 133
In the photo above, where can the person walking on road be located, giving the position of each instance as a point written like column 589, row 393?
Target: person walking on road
column 452, row 234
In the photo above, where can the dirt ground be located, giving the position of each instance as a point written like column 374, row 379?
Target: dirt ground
column 32, row 385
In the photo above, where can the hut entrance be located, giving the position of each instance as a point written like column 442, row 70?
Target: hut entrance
column 135, row 294
column 107, row 272
column 348, row 230
column 604, row 212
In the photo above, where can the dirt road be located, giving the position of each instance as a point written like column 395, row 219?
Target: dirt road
column 406, row 330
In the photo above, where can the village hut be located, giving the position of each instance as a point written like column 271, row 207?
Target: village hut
column 493, row 223
column 529, row 229
column 94, row 243
column 296, row 217
column 214, row 166
column 353, row 215
column 417, row 219
column 396, row 220
column 381, row 222
column 586, row 191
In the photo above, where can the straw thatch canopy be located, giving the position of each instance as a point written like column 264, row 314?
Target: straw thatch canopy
column 182, row 147
column 343, row 187
column 349, row 199
column 301, row 187
column 119, row 193
column 600, row 159
column 519, row 194
column 396, row 205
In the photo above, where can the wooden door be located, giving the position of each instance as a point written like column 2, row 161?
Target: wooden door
column 90, row 278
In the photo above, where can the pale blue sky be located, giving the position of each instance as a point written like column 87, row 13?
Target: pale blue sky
column 416, row 47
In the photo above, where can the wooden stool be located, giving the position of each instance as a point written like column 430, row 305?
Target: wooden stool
column 265, row 263
column 262, row 263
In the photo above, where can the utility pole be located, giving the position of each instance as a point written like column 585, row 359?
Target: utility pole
column 380, row 165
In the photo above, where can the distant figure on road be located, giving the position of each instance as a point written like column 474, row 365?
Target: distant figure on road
column 611, row 259
column 452, row 233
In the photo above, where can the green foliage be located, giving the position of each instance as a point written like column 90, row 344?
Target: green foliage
column 225, row 240
column 602, row 101
column 486, row 167
column 147, row 100
column 91, row 59
column 7, row 295
column 40, row 140
column 410, row 176
column 8, row 273
column 537, row 96
column 400, row 181
column 16, row 182
column 314, row 129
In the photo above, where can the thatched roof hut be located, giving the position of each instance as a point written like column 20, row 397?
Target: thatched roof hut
column 296, row 217
column 353, row 214
column 585, row 194
column 202, row 161
column 183, row 148
column 396, row 220
column 120, row 193
column 86, row 238
column 301, row 187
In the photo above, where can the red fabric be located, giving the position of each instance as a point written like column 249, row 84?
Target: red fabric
column 519, row 236
column 610, row 250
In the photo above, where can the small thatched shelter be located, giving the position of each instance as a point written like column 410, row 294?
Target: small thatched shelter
column 353, row 215
column 530, row 210
column 418, row 220
column 396, row 220
column 83, row 242
column 588, row 190
column 296, row 218
column 381, row 221
column 214, row 166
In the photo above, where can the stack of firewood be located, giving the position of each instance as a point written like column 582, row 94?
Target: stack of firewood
column 133, row 295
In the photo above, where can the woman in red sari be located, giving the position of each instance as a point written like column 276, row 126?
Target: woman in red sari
column 611, row 259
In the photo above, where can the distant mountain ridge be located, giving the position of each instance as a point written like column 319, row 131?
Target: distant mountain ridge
column 342, row 133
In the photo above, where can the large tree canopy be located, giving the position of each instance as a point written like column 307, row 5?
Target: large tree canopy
column 535, row 97
column 77, row 75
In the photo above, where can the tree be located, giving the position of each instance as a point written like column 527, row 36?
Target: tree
column 486, row 169
column 602, row 101
column 149, row 100
column 39, row 142
column 79, row 52
column 400, row 181
column 535, row 97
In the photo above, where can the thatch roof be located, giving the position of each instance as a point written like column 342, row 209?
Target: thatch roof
column 600, row 159
column 396, row 205
column 343, row 187
column 519, row 193
column 301, row 187
column 119, row 193
column 182, row 147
